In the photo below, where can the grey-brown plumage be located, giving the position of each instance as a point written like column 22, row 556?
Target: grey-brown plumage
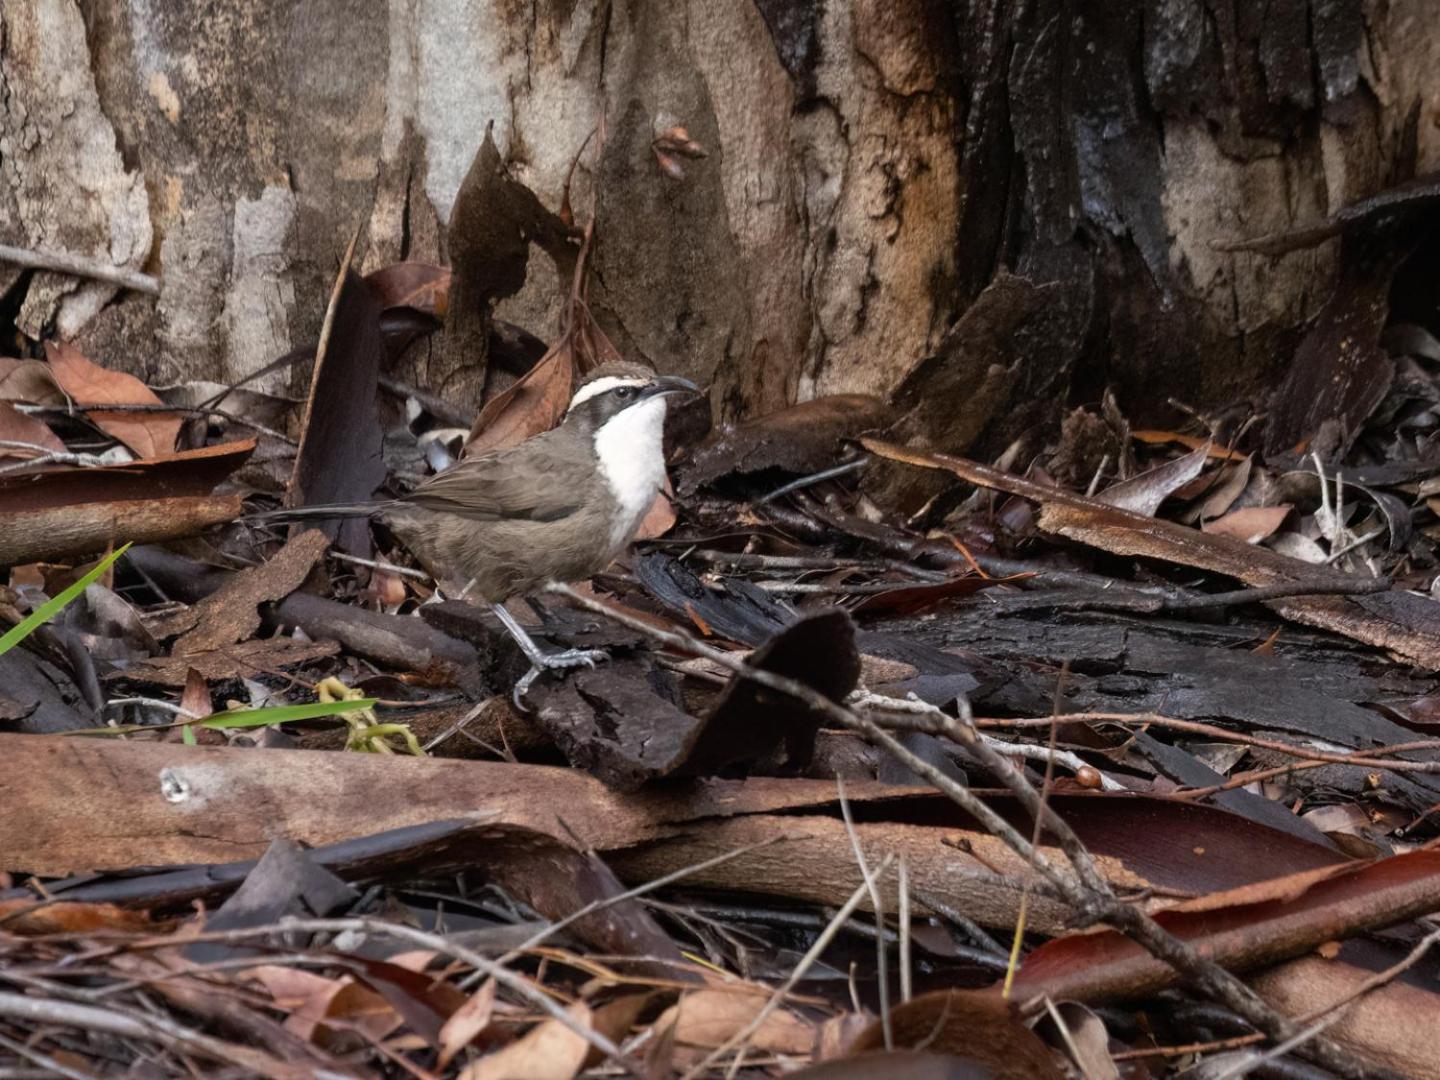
column 556, row 508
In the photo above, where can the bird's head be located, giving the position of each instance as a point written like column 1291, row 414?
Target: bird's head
column 631, row 391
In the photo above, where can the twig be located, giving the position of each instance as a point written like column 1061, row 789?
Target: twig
column 151, row 407
column 1048, row 780
column 822, row 942
column 906, row 986
column 938, row 719
column 814, row 478
column 1195, row 727
column 131, row 1024
column 882, row 954
column 45, row 1061
column 376, row 564
column 1359, row 541
column 506, row 978
column 153, row 703
column 78, row 266
column 629, row 894
column 1090, row 896
column 44, row 455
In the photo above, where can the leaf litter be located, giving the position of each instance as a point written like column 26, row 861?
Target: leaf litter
column 657, row 869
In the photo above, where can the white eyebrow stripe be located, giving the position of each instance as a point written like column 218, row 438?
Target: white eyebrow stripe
column 600, row 386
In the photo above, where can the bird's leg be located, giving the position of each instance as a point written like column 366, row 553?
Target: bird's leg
column 541, row 661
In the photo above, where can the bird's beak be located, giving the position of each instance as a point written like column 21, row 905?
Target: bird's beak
column 669, row 384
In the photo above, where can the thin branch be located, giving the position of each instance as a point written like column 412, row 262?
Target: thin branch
column 822, row 942
column 1091, row 896
column 79, row 266
column 882, row 972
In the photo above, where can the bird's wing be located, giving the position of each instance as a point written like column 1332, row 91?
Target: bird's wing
column 529, row 482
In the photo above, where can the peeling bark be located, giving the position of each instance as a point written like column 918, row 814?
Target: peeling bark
column 873, row 167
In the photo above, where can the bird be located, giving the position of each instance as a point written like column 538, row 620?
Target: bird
column 558, row 507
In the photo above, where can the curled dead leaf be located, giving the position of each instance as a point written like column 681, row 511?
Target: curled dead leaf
column 92, row 387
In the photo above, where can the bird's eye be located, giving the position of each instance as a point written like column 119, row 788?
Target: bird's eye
column 625, row 393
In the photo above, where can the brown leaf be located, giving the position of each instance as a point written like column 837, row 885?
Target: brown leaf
column 1251, row 524
column 534, row 403
column 977, row 1025
column 1191, row 441
column 15, row 426
column 1243, row 928
column 548, row 1051
column 148, row 434
column 466, row 1022
column 420, row 285
column 1143, row 494
column 660, row 518
column 195, row 699
column 29, row 381
column 708, row 1018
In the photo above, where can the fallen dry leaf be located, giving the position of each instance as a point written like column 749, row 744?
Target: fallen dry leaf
column 1192, row 442
column 708, row 1018
column 548, row 1051
column 29, row 381
column 1242, row 928
column 1143, row 494
column 1251, row 524
column 466, row 1022
column 15, row 426
column 90, row 385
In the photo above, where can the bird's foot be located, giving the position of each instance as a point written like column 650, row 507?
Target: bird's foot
column 559, row 661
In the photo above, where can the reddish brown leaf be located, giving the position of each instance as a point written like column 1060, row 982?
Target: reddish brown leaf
column 974, row 1024
column 90, row 385
column 1242, row 928
column 1251, row 524
column 37, row 916
column 660, row 518
column 195, row 699
column 420, row 285
column 911, row 599
column 1190, row 441
column 535, row 403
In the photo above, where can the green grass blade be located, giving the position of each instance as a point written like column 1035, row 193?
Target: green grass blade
column 244, row 718
column 48, row 610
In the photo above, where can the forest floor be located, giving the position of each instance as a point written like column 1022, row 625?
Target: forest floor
column 1120, row 760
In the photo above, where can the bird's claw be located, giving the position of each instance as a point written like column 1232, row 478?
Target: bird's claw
column 560, row 661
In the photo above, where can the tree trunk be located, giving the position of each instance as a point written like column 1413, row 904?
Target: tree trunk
column 990, row 210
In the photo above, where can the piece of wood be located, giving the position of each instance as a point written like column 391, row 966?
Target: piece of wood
column 167, row 476
column 86, row 528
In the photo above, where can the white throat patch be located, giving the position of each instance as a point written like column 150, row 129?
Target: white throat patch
column 600, row 386
column 630, row 449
